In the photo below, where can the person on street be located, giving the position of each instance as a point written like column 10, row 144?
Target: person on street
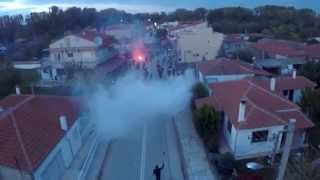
column 157, row 171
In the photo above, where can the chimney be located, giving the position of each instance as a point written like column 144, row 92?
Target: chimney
column 18, row 92
column 273, row 84
column 294, row 74
column 242, row 110
column 63, row 123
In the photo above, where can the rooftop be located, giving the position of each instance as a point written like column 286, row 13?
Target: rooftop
column 313, row 51
column 280, row 47
column 264, row 108
column 285, row 83
column 272, row 63
column 30, row 129
column 223, row 66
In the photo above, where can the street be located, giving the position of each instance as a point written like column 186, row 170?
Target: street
column 135, row 155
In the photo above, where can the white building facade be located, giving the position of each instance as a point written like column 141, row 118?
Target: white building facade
column 197, row 43
column 74, row 50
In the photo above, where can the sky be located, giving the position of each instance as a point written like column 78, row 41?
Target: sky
column 26, row 6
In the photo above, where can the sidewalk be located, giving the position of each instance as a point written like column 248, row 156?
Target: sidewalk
column 74, row 170
column 194, row 159
column 97, row 165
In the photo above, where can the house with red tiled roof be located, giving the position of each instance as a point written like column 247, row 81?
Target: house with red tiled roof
column 234, row 42
column 254, row 118
column 269, row 48
column 39, row 136
column 223, row 69
column 289, row 87
column 84, row 50
column 312, row 52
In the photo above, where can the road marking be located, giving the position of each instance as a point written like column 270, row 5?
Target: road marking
column 143, row 152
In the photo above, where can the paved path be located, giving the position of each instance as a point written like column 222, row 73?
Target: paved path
column 196, row 164
column 134, row 156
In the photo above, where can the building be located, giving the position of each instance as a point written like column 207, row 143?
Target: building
column 289, row 87
column 283, row 66
column 270, row 48
column 222, row 69
column 232, row 43
column 254, row 118
column 121, row 32
column 312, row 52
column 39, row 136
column 196, row 42
column 78, row 51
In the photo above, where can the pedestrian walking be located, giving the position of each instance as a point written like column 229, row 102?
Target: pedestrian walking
column 157, row 171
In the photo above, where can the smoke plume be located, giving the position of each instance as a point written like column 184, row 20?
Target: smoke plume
column 131, row 101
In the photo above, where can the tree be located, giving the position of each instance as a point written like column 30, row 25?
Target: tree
column 11, row 77
column 245, row 55
column 311, row 70
column 310, row 104
column 206, row 120
column 199, row 90
column 8, row 80
column 200, row 13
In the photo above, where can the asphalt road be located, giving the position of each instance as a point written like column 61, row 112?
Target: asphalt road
column 133, row 157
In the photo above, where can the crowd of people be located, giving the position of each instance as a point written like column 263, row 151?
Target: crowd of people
column 158, row 65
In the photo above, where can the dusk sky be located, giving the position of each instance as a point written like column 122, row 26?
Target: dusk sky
column 25, row 6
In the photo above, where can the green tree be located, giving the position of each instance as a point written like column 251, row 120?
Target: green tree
column 199, row 90
column 206, row 120
column 245, row 55
column 310, row 104
column 311, row 70
column 8, row 80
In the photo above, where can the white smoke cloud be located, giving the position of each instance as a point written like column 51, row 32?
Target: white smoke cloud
column 133, row 101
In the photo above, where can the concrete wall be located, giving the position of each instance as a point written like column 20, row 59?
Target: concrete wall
column 61, row 155
column 296, row 95
column 243, row 147
column 7, row 173
column 27, row 65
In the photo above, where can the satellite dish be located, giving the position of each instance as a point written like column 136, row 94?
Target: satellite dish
column 254, row 166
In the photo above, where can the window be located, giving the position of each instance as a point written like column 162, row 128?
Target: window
column 285, row 93
column 259, row 136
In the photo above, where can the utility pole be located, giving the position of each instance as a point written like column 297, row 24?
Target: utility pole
column 286, row 149
column 275, row 148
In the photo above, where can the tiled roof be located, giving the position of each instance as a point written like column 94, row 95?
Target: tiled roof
column 36, row 120
column 277, row 63
column 285, row 83
column 285, row 48
column 263, row 107
column 223, row 66
column 313, row 51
